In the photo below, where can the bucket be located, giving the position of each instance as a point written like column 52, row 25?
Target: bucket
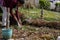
column 7, row 33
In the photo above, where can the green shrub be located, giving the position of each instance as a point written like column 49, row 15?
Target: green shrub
column 0, row 10
column 57, row 4
column 44, row 3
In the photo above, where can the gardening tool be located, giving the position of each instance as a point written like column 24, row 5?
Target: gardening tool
column 18, row 18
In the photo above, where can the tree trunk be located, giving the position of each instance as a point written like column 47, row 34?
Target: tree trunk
column 42, row 13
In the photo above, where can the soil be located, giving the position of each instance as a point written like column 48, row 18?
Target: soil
column 36, row 33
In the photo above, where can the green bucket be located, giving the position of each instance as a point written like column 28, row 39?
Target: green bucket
column 6, row 33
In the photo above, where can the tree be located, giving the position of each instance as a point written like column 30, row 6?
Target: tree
column 57, row 8
column 44, row 3
column 0, row 10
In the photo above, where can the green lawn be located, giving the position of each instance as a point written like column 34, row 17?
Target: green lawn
column 0, row 14
column 35, row 13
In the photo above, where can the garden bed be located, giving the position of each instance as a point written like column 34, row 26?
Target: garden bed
column 36, row 33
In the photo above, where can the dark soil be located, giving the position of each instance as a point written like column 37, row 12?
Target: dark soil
column 36, row 33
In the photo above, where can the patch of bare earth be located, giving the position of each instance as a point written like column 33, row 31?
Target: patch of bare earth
column 34, row 33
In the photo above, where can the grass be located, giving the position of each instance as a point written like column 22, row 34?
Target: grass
column 51, row 16
column 0, row 14
column 35, row 13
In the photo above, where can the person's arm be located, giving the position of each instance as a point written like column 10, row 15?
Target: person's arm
column 14, row 16
column 11, row 12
